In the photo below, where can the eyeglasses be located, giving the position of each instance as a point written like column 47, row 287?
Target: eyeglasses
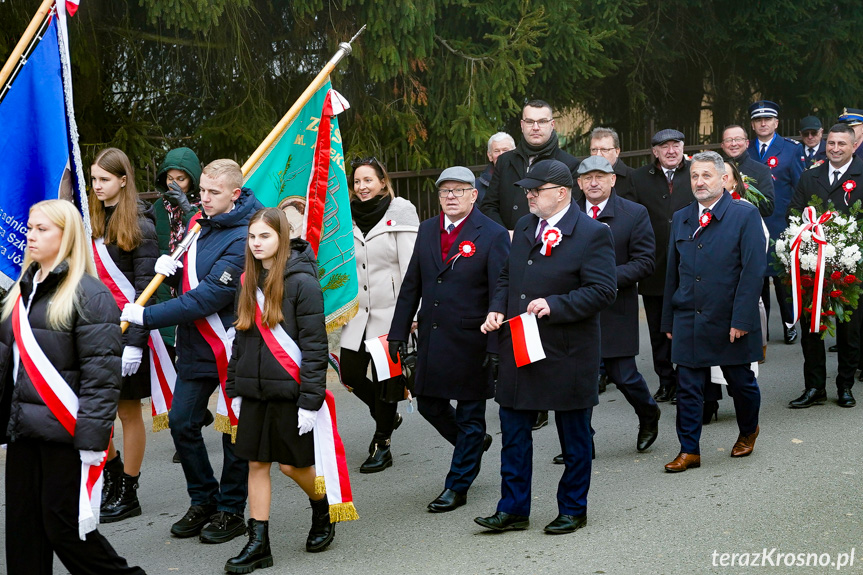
column 456, row 193
column 541, row 123
column 601, row 150
column 536, row 191
column 809, row 133
column 737, row 140
column 371, row 160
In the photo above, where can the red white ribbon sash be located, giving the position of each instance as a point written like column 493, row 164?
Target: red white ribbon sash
column 63, row 404
column 163, row 376
column 280, row 344
column 811, row 223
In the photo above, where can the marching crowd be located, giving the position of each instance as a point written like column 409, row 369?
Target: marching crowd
column 542, row 249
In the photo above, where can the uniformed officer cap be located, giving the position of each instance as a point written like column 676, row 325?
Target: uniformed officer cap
column 851, row 116
column 763, row 109
column 666, row 135
column 810, row 123
column 547, row 172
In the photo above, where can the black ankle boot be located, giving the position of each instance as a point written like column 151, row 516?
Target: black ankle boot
column 111, row 480
column 256, row 554
column 380, row 458
column 125, row 503
column 322, row 532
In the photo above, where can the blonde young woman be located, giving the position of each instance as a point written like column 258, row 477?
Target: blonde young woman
column 74, row 323
column 385, row 229
column 124, row 231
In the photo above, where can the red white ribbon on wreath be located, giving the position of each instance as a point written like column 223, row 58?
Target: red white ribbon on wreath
column 466, row 249
column 550, row 239
column 814, row 224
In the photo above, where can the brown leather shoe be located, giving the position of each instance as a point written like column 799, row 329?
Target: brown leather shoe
column 745, row 444
column 682, row 462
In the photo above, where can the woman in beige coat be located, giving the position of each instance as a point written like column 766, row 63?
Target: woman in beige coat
column 385, row 229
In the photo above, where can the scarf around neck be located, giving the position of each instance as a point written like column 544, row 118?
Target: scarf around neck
column 367, row 214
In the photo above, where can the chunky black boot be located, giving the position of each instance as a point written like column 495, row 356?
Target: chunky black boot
column 125, row 503
column 111, row 481
column 256, row 554
column 380, row 458
column 322, row 532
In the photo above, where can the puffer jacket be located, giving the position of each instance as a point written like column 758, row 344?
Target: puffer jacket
column 87, row 355
column 255, row 373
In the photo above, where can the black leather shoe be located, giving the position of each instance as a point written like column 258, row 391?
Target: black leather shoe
column 665, row 393
column 224, row 527
column 323, row 530
column 256, row 554
column 790, row 334
column 833, row 348
column 603, row 382
column 541, row 420
column 558, row 459
column 125, row 503
column 502, row 521
column 648, row 431
column 566, row 524
column 380, row 459
column 448, row 500
column 486, row 442
column 809, row 398
column 193, row 521
column 845, row 397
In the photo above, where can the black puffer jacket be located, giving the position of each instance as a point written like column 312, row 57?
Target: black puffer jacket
column 254, row 372
column 87, row 357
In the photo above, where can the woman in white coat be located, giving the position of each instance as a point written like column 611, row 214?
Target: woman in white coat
column 385, row 229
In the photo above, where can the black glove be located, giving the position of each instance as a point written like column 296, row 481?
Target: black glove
column 397, row 348
column 175, row 196
column 493, row 360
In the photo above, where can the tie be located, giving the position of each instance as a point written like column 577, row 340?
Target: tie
column 450, row 228
column 835, row 177
column 763, row 150
column 595, row 210
column 542, row 226
column 669, row 175
column 811, row 154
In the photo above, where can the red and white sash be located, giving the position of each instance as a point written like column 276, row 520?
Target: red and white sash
column 163, row 376
column 331, row 465
column 63, row 404
column 217, row 337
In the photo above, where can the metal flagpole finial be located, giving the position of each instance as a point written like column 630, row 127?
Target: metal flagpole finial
column 344, row 48
column 357, row 35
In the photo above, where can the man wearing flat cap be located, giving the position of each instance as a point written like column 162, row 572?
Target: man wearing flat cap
column 561, row 269
column 663, row 188
column 854, row 118
column 454, row 268
column 634, row 252
column 785, row 159
column 811, row 135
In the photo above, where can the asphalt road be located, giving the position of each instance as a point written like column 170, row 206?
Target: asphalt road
column 800, row 492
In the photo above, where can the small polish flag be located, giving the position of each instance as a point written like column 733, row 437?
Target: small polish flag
column 526, row 343
column 384, row 367
column 72, row 6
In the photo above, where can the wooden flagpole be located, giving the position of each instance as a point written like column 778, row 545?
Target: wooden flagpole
column 25, row 40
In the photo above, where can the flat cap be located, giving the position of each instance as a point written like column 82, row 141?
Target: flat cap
column 595, row 164
column 546, row 172
column 456, row 174
column 810, row 123
column 851, row 116
column 763, row 109
column 666, row 135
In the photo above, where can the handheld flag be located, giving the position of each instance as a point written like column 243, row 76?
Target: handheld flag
column 526, row 343
column 385, row 368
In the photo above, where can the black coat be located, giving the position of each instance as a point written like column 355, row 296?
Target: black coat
column 816, row 182
column 87, row 355
column 763, row 181
column 820, row 154
column 624, row 185
column 455, row 298
column 505, row 203
column 634, row 254
column 650, row 189
column 577, row 281
column 255, row 372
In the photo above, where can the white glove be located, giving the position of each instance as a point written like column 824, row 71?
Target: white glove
column 306, row 420
column 235, row 406
column 167, row 266
column 92, row 457
column 131, row 359
column 133, row 313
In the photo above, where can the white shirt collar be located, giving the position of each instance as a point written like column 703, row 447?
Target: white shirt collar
column 710, row 207
column 447, row 221
column 552, row 221
column 840, row 169
column 768, row 142
column 601, row 205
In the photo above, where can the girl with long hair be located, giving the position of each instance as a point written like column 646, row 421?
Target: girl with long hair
column 59, row 335
column 280, row 298
column 126, row 249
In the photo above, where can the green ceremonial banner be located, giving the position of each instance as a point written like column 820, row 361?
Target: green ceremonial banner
column 304, row 173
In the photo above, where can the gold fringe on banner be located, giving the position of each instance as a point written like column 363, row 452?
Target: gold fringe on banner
column 223, row 424
column 343, row 315
column 320, row 485
column 343, row 512
column 160, row 422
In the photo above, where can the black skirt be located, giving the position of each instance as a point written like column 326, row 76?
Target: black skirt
column 137, row 385
column 267, row 431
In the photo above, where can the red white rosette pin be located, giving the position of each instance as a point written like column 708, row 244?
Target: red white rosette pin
column 772, row 162
column 466, row 249
column 848, row 186
column 550, row 239
column 703, row 220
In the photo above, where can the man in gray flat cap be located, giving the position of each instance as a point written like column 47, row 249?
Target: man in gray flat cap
column 663, row 188
column 457, row 259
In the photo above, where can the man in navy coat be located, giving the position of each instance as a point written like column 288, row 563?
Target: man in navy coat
column 715, row 272
column 634, row 254
column 811, row 135
column 784, row 157
column 457, row 259
column 565, row 285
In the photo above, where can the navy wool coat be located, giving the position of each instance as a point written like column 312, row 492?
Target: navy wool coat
column 713, row 284
column 578, row 281
column 455, row 299
column 634, row 250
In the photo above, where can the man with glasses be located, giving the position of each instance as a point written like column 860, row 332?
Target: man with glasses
column 663, row 188
column 454, row 268
column 734, row 143
column 606, row 143
column 811, row 134
column 565, row 284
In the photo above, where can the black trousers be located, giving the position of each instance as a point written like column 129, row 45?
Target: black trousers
column 42, row 484
column 660, row 345
column 355, row 366
column 782, row 296
column 815, row 358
